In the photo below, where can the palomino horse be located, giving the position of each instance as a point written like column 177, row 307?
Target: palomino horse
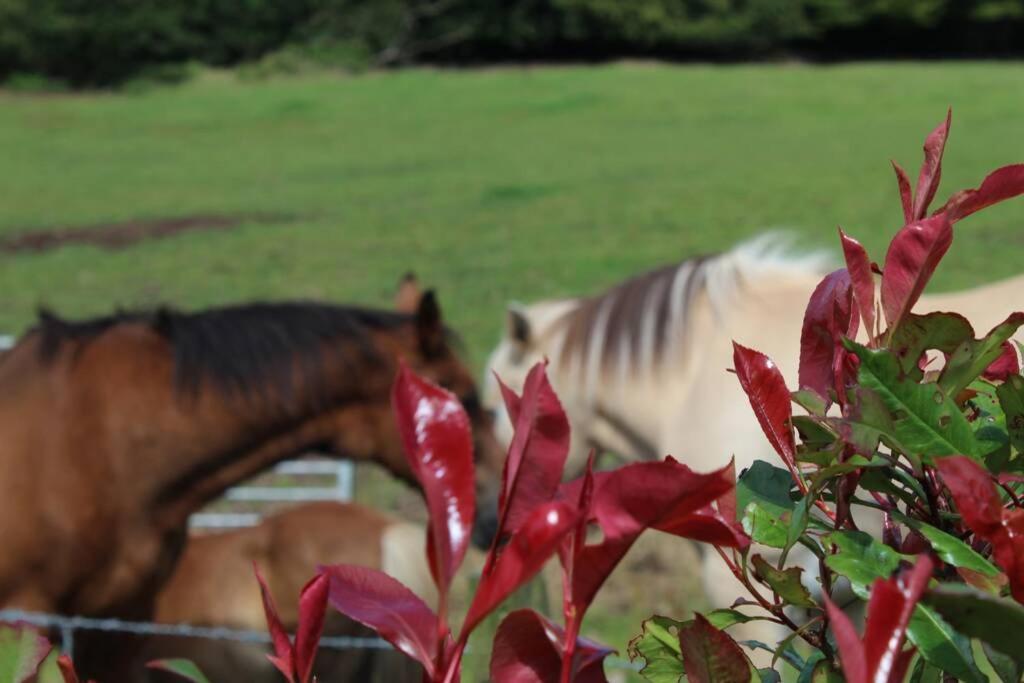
column 213, row 585
column 641, row 367
column 116, row 429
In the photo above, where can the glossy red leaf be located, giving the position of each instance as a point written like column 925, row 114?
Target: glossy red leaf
column 521, row 558
column 978, row 502
column 827, row 319
column 858, row 265
column 631, row 499
column 536, row 457
column 711, row 655
column 284, row 655
column 1007, row 364
column 880, row 657
column 906, row 198
column 1002, row 184
column 382, row 603
column 913, row 255
column 766, row 389
column 67, row 669
column 312, row 609
column 931, row 168
column 528, row 649
column 439, row 446
column 975, row 496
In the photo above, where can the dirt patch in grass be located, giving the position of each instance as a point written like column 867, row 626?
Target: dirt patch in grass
column 125, row 234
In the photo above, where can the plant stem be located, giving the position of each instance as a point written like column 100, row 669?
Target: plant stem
column 572, row 629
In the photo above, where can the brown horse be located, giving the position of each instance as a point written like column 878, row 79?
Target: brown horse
column 213, row 585
column 116, row 429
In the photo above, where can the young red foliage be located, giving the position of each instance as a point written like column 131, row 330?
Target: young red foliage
column 829, row 317
column 858, row 265
column 526, row 552
column 295, row 661
column 67, row 669
column 1002, row 184
column 1007, row 364
column 528, row 649
column 711, row 655
column 636, row 497
column 541, row 442
column 766, row 389
column 977, row 499
column 382, row 603
column 911, row 260
column 906, row 198
column 931, row 168
column 880, row 657
column 439, row 446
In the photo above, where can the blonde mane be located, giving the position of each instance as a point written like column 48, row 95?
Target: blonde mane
column 634, row 326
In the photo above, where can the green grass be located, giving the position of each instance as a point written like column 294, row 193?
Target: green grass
column 493, row 185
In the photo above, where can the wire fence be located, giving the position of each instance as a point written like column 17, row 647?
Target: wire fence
column 67, row 625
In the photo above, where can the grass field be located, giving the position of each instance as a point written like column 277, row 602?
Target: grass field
column 493, row 184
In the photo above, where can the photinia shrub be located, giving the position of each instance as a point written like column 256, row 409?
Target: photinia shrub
column 911, row 418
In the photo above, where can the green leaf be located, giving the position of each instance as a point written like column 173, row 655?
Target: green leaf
column 919, row 333
column 1008, row 670
column 862, row 559
column 766, row 484
column 22, row 650
column 993, row 620
column 181, row 667
column 925, row 673
column 950, row 548
column 1011, row 400
column 658, row 646
column 769, row 675
column 810, row 400
column 724, row 618
column 971, row 357
column 797, row 523
column 785, row 582
column 926, row 421
column 817, row 669
column 762, row 523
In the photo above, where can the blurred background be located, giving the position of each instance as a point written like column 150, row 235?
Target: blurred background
column 205, row 152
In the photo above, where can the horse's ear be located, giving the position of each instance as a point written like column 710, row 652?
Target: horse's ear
column 429, row 326
column 518, row 325
column 409, row 294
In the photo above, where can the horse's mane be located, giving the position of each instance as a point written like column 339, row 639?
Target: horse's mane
column 632, row 324
column 243, row 349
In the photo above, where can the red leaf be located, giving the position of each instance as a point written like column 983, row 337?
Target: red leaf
column 312, row 608
column 528, row 647
column 711, row 655
column 1007, row 364
column 67, row 669
column 536, row 457
column 859, row 267
column 828, row 317
column 382, row 603
column 880, row 657
column 769, row 397
column 284, row 655
column 889, row 611
column 981, row 508
column 633, row 498
column 439, row 446
column 851, row 650
column 1008, row 551
column 1002, row 184
column 905, row 197
column 973, row 492
column 931, row 168
column 522, row 557
column 913, row 255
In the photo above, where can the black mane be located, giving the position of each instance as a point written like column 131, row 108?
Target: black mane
column 249, row 349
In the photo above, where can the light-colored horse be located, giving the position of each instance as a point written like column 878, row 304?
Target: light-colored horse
column 641, row 368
